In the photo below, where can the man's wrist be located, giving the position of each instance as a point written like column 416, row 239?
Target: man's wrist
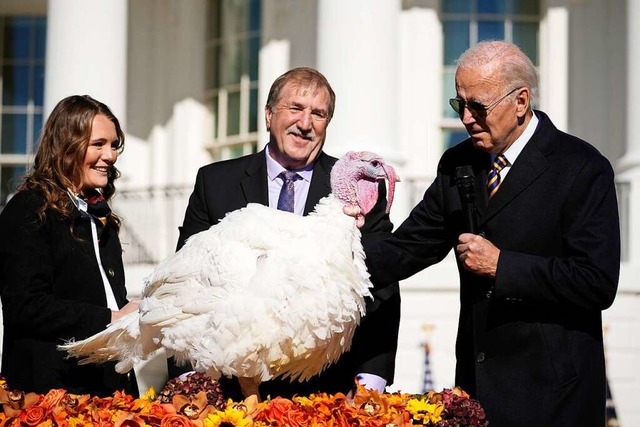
column 372, row 381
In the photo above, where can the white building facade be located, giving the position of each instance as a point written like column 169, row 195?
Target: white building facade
column 189, row 79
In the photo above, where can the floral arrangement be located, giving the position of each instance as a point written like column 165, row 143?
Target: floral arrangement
column 197, row 401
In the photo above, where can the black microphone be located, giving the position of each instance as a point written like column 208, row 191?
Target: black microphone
column 465, row 181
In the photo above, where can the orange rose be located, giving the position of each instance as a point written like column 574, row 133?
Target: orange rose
column 176, row 420
column 33, row 416
column 156, row 412
column 282, row 411
column 295, row 418
column 52, row 399
column 276, row 409
column 159, row 410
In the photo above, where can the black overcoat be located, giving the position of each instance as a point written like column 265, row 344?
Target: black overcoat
column 529, row 343
column 52, row 291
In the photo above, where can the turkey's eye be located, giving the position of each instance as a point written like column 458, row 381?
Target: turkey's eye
column 375, row 163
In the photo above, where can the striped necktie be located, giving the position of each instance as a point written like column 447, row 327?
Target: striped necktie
column 493, row 179
column 286, row 200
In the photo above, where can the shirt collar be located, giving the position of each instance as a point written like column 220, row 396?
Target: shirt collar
column 512, row 153
column 274, row 168
column 80, row 204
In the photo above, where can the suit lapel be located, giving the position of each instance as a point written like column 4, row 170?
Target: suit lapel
column 254, row 184
column 320, row 185
column 529, row 165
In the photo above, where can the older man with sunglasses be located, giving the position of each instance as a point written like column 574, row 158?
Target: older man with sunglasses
column 532, row 215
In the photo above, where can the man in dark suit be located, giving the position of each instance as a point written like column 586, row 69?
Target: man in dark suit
column 543, row 261
column 299, row 108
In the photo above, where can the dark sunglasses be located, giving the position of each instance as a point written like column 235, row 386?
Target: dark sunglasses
column 475, row 107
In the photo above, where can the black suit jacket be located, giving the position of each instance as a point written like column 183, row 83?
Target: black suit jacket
column 52, row 291
column 225, row 186
column 529, row 343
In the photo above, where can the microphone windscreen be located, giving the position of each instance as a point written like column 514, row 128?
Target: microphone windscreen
column 463, row 173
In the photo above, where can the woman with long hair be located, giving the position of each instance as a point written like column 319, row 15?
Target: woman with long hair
column 61, row 270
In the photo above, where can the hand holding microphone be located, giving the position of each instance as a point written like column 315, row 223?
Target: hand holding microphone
column 477, row 254
column 465, row 181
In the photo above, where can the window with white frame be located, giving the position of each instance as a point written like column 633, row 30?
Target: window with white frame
column 22, row 53
column 233, row 46
column 467, row 22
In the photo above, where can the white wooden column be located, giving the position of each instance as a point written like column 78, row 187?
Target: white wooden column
column 632, row 156
column 420, row 105
column 628, row 168
column 274, row 61
column 358, row 52
column 87, row 52
column 554, row 63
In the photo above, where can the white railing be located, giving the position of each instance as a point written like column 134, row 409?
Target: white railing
column 150, row 220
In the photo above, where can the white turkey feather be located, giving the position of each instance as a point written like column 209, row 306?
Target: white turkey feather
column 264, row 293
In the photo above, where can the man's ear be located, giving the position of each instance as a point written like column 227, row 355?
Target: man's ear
column 523, row 101
column 267, row 117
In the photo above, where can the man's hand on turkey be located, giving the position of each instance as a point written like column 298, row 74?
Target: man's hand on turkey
column 354, row 211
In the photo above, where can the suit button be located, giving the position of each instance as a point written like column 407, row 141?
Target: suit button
column 489, row 293
column 480, row 357
column 111, row 273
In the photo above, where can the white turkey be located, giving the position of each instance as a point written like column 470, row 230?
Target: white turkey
column 262, row 294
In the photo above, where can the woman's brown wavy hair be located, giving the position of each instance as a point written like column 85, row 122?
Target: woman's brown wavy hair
column 61, row 152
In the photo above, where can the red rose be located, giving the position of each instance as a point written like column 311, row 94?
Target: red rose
column 33, row 416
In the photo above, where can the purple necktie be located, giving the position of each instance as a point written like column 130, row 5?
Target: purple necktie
column 286, row 198
column 493, row 180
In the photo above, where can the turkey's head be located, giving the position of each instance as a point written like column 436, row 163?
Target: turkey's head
column 355, row 176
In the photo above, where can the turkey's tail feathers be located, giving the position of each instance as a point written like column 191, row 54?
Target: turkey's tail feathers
column 118, row 342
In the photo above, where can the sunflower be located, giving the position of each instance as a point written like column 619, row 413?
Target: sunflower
column 230, row 417
column 425, row 411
